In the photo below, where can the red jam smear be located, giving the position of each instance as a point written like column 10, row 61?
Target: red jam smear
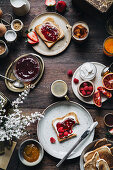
column 27, row 67
column 50, row 32
column 65, row 126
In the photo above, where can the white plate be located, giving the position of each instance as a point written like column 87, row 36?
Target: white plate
column 45, row 130
column 97, row 82
column 60, row 45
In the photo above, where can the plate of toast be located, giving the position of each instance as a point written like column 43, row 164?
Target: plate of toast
column 97, row 155
column 54, row 35
column 62, row 125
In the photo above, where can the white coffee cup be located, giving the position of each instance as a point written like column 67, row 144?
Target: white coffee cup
column 59, row 89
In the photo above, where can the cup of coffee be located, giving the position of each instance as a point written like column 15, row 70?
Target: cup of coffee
column 59, row 89
column 3, row 49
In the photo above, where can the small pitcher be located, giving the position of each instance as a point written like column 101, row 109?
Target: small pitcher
column 20, row 7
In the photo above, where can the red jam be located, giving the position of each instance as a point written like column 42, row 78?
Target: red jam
column 50, row 32
column 27, row 68
column 65, row 128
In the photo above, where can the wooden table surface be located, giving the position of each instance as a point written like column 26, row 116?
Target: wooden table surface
column 56, row 68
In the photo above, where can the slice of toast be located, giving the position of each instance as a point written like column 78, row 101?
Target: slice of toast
column 91, row 164
column 49, row 44
column 55, row 121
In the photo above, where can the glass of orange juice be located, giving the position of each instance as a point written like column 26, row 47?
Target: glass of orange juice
column 108, row 46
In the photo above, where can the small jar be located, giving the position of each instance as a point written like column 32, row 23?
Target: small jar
column 10, row 36
column 17, row 25
column 3, row 49
column 108, row 46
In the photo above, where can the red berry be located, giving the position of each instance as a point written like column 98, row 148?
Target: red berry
column 76, row 81
column 61, row 130
column 85, row 84
column 61, row 135
column 65, row 133
column 83, row 93
column 52, row 140
column 81, row 89
column 90, row 88
column 88, row 92
column 61, row 6
column 86, row 88
column 70, row 73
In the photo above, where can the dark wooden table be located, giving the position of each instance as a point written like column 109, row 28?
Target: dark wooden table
column 56, row 68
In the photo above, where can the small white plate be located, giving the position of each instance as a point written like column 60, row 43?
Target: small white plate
column 61, row 45
column 97, row 82
column 45, row 130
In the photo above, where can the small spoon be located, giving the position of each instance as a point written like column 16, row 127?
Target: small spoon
column 16, row 83
column 107, row 70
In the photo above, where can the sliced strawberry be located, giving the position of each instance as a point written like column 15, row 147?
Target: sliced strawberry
column 31, row 42
column 104, row 91
column 97, row 99
column 33, row 36
column 50, row 2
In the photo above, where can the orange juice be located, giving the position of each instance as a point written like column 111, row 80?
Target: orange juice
column 108, row 46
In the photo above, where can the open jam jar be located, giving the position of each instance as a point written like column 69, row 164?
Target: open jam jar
column 27, row 68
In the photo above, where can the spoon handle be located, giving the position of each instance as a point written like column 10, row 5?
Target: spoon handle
column 6, row 78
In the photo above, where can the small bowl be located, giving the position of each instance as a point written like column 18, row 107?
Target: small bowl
column 17, row 21
column 6, row 49
column 81, row 85
column 85, row 26
column 107, row 119
column 10, row 36
column 21, row 149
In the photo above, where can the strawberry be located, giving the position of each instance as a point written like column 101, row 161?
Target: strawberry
column 61, row 6
column 52, row 140
column 50, row 3
column 30, row 41
column 70, row 73
column 111, row 131
column 86, row 88
column 33, row 36
column 76, row 81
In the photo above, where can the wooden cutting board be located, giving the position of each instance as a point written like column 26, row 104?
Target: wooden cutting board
column 5, row 158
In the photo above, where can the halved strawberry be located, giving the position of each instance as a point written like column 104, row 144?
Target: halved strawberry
column 50, row 2
column 33, row 36
column 104, row 91
column 97, row 99
column 31, row 42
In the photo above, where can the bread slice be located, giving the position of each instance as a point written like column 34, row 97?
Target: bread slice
column 91, row 164
column 49, row 44
column 104, row 153
column 55, row 121
column 100, row 143
column 101, row 164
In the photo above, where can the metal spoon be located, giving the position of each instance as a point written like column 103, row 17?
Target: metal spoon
column 107, row 70
column 16, row 83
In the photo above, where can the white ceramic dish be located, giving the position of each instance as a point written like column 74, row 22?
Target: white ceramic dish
column 97, row 82
column 45, row 130
column 61, row 45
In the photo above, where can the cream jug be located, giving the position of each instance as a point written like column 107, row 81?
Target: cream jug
column 20, row 7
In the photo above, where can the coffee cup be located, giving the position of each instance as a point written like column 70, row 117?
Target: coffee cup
column 59, row 89
column 3, row 49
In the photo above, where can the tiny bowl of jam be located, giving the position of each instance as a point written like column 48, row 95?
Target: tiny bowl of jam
column 108, row 119
column 86, row 88
column 17, row 25
column 3, row 49
column 80, row 31
column 30, row 152
column 27, row 68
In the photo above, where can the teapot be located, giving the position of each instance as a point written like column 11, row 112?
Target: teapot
column 20, row 7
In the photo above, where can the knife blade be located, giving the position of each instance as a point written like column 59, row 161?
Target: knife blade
column 83, row 136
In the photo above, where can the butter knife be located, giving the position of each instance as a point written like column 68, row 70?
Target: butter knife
column 84, row 135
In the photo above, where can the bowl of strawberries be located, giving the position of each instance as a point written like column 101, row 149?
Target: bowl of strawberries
column 86, row 88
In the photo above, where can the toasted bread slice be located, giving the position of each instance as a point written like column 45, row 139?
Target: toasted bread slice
column 100, row 143
column 91, row 164
column 104, row 153
column 101, row 164
column 55, row 121
column 49, row 44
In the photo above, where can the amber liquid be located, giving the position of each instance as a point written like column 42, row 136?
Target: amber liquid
column 2, row 48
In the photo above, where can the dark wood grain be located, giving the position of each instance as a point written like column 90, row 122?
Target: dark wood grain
column 56, row 68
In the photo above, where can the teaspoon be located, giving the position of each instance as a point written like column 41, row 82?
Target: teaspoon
column 16, row 83
column 107, row 70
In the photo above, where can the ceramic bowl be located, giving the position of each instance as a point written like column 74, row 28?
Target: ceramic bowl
column 81, row 86
column 21, row 149
column 6, row 49
column 88, row 148
column 82, row 24
column 108, row 120
column 17, row 21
